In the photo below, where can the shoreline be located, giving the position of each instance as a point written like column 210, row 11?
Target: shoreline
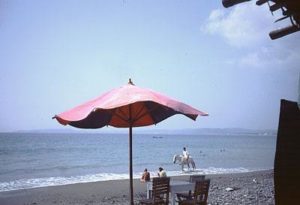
column 32, row 183
column 255, row 187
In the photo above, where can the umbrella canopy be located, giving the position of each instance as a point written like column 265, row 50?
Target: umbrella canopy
column 128, row 106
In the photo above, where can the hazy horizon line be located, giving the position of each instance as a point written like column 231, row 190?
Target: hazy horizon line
column 148, row 130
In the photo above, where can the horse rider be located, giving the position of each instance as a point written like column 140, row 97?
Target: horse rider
column 185, row 154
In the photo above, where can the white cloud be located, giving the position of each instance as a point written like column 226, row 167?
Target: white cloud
column 246, row 27
column 242, row 25
column 278, row 55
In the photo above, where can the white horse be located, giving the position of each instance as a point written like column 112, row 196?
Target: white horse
column 181, row 160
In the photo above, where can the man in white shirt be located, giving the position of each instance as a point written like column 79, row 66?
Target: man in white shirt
column 185, row 154
column 161, row 172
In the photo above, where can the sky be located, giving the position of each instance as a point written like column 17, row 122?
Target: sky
column 57, row 54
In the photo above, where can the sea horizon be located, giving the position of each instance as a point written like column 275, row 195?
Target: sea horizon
column 147, row 130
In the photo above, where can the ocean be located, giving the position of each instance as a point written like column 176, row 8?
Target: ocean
column 29, row 160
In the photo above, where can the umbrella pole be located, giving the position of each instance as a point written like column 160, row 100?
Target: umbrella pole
column 130, row 165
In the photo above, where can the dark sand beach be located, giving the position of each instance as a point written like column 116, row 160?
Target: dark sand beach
column 246, row 188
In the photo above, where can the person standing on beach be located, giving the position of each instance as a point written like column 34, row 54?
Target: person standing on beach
column 161, row 172
column 145, row 176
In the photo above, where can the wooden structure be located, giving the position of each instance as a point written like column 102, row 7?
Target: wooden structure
column 200, row 195
column 290, row 9
column 160, row 192
column 287, row 156
column 194, row 178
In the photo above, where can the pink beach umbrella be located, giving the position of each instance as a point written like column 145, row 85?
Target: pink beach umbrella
column 126, row 107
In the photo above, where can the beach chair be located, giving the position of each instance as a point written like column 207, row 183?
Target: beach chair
column 199, row 197
column 193, row 179
column 160, row 192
